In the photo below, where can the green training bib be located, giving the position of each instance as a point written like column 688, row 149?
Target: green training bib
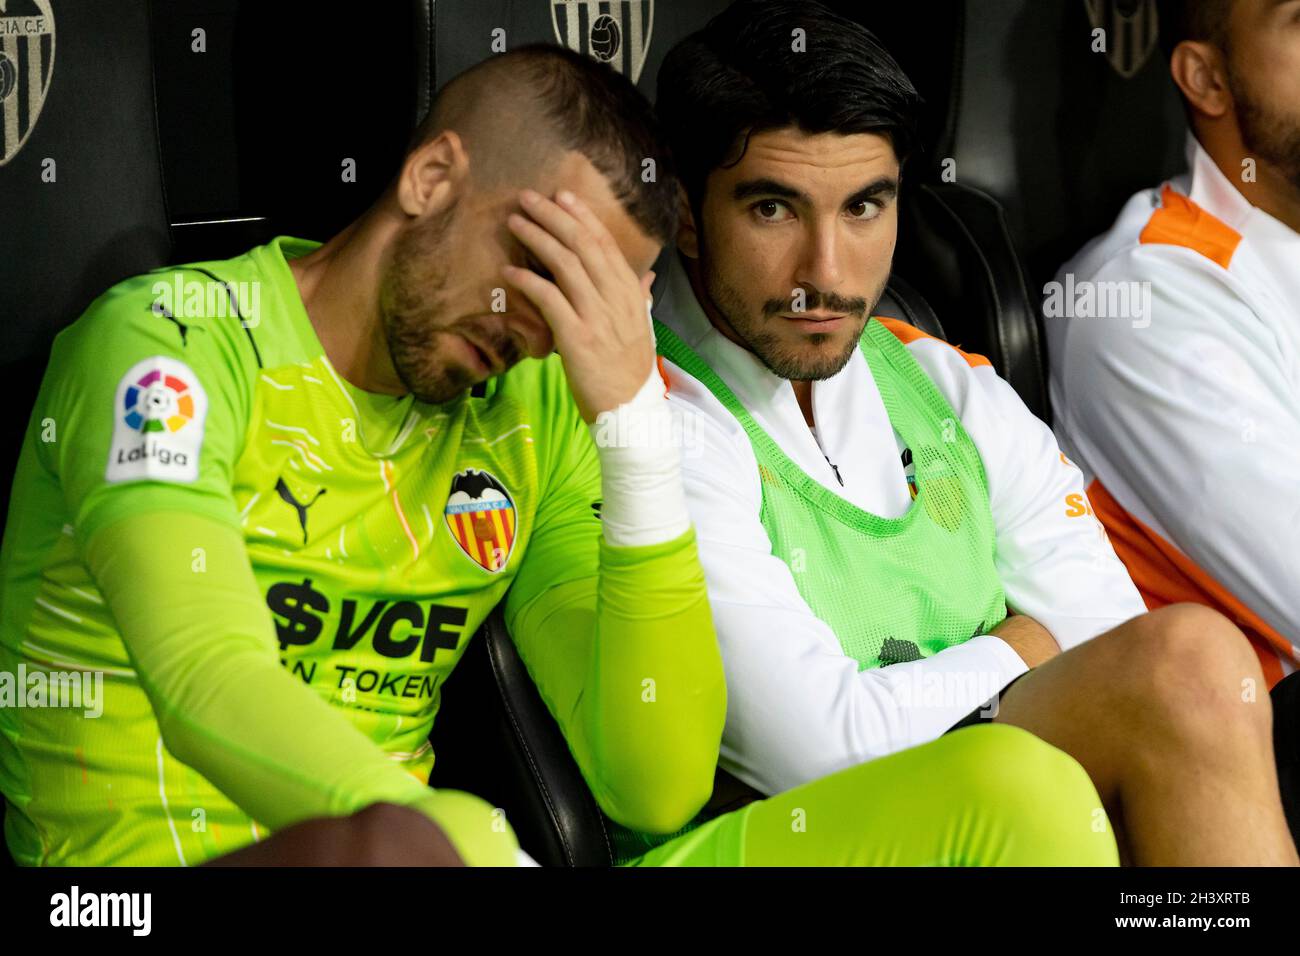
column 892, row 589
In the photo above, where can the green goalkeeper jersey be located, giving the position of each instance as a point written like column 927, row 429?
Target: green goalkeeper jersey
column 380, row 531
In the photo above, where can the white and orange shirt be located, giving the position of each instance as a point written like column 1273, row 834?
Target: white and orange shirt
column 797, row 705
column 1184, row 413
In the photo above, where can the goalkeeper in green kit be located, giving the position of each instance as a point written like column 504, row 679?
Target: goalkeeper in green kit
column 272, row 517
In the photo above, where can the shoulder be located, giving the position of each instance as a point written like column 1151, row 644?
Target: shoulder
column 1179, row 223
column 1162, row 237
column 922, row 343
column 961, row 377
column 141, row 318
column 1153, row 298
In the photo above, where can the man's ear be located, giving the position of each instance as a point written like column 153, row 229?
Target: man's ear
column 432, row 174
column 1199, row 71
column 688, row 240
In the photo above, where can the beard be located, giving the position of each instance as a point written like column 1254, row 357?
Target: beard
column 769, row 346
column 1266, row 131
column 413, row 308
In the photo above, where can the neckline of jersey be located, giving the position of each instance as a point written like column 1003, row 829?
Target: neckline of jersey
column 369, row 405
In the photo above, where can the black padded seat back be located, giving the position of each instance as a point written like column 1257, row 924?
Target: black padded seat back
column 901, row 301
column 1058, row 133
column 495, row 737
column 324, row 107
column 955, row 245
column 632, row 36
column 81, row 200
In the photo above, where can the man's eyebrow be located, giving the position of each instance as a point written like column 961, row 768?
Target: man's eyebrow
column 766, row 187
column 885, row 187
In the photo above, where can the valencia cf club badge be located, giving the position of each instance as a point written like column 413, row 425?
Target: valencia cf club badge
column 481, row 517
column 1131, row 29
column 26, row 68
column 616, row 32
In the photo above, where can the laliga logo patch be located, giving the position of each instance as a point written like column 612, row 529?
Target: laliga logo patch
column 481, row 517
column 158, row 416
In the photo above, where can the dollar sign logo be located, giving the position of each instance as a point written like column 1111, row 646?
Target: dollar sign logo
column 292, row 605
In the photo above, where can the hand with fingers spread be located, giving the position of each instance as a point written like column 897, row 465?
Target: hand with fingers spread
column 592, row 299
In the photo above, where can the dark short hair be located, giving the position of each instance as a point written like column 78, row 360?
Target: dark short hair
column 740, row 75
column 595, row 111
column 1205, row 21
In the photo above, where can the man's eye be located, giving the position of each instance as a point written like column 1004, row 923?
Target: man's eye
column 864, row 210
column 771, row 210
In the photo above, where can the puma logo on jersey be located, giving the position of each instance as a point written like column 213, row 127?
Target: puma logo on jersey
column 299, row 507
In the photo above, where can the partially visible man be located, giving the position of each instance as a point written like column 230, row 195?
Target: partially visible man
column 871, row 502
column 1184, row 413
column 1186, row 419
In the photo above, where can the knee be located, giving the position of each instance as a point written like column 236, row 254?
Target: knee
column 1191, row 638
column 1191, row 663
column 362, row 838
column 1041, row 794
column 386, row 834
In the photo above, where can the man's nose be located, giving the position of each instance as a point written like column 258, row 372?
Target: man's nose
column 819, row 264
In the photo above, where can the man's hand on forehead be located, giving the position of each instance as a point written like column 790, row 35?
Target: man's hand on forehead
column 589, row 295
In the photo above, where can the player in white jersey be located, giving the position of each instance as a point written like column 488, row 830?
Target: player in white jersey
column 1183, row 408
column 788, row 408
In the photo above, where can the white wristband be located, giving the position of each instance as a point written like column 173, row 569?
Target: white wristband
column 640, row 469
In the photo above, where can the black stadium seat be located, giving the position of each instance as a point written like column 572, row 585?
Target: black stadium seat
column 81, row 201
column 954, row 244
column 495, row 737
column 1060, row 133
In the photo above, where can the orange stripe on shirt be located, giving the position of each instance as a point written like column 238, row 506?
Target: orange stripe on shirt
column 1180, row 222
column 663, row 373
column 910, row 333
column 1164, row 575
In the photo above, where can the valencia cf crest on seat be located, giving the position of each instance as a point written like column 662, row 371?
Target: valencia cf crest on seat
column 480, row 515
column 26, row 68
column 616, row 32
column 1131, row 32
